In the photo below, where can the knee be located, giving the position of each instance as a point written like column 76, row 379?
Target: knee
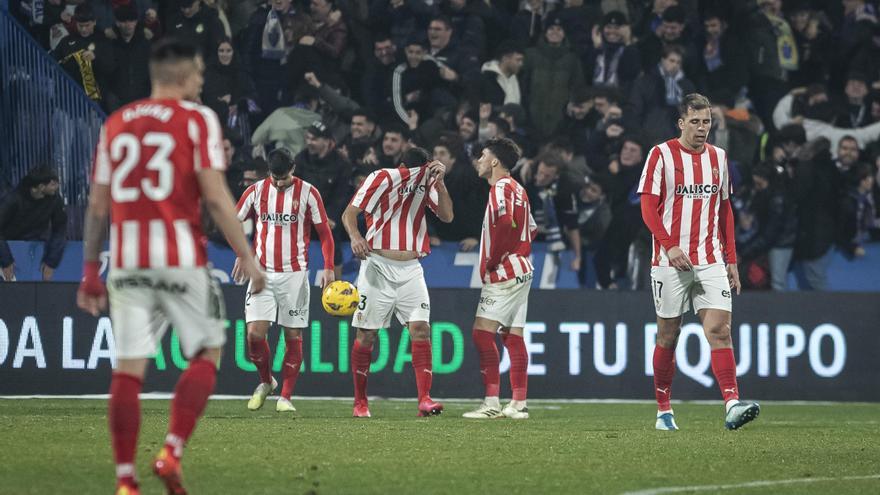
column 366, row 337
column 719, row 334
column 420, row 330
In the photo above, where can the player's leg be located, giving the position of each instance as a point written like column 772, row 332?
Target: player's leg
column 671, row 291
column 483, row 335
column 197, row 314
column 361, row 357
column 138, row 328
column 293, row 295
column 293, row 356
column 519, row 365
column 423, row 366
column 260, row 310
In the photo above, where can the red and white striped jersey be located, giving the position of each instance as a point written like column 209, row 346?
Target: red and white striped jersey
column 690, row 186
column 393, row 201
column 150, row 153
column 283, row 222
column 508, row 230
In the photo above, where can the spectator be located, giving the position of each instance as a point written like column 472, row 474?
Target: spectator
column 612, row 61
column 721, row 59
column 321, row 165
column 377, row 85
column 393, row 145
column 594, row 217
column 229, row 89
column 498, row 81
column 817, row 197
column 856, row 215
column 553, row 198
column 527, row 26
column 458, row 65
column 847, row 154
column 773, row 54
column 550, row 74
column 34, row 211
column 330, row 31
column 468, row 192
column 767, row 225
column 580, row 21
column 652, row 22
column 580, row 118
column 272, row 33
column 671, row 32
column 735, row 130
column 363, row 138
column 468, row 29
column 656, row 95
column 854, row 111
column 287, row 126
column 414, row 84
column 335, row 108
column 814, row 46
column 131, row 51
column 87, row 56
column 400, row 18
column 515, row 116
column 198, row 24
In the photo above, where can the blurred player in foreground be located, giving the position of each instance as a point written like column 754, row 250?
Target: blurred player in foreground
column 284, row 208
column 156, row 160
column 505, row 246
column 391, row 279
column 685, row 195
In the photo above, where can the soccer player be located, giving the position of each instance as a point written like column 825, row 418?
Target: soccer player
column 391, row 278
column 505, row 246
column 284, row 209
column 156, row 160
column 685, row 195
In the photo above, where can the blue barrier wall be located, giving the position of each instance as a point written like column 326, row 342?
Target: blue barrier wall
column 446, row 267
column 45, row 117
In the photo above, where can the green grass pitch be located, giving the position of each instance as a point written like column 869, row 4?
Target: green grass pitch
column 61, row 446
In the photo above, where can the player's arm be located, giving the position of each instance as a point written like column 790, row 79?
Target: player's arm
column 649, row 190
column 325, row 235
column 92, row 295
column 442, row 200
column 245, row 209
column 359, row 245
column 218, row 202
column 727, row 232
column 365, row 198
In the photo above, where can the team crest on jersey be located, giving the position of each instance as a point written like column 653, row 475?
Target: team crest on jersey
column 295, row 205
column 715, row 173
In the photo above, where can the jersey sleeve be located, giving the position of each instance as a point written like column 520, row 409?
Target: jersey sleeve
column 367, row 196
column 207, row 138
column 101, row 169
column 652, row 174
column 245, row 205
column 316, row 211
column 726, row 188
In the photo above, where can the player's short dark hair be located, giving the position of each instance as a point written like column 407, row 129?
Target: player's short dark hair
column 280, row 162
column 415, row 157
column 505, row 150
column 693, row 101
column 171, row 49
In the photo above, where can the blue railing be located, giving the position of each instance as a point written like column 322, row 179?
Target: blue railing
column 45, row 117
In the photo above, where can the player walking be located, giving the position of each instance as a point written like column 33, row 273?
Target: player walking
column 685, row 193
column 505, row 246
column 156, row 160
column 284, row 209
column 391, row 278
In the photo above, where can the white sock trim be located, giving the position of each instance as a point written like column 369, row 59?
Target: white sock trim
column 125, row 470
column 729, row 404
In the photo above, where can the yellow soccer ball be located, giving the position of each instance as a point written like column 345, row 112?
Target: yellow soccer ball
column 340, row 298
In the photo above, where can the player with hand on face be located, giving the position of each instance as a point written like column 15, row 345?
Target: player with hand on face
column 284, row 209
column 685, row 196
column 505, row 247
column 391, row 280
column 157, row 159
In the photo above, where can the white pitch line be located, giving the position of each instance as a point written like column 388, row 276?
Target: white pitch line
column 750, row 484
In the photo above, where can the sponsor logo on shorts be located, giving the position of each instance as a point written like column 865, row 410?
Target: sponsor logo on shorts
column 426, row 306
column 143, row 282
column 298, row 312
column 725, row 293
column 487, row 301
column 525, row 278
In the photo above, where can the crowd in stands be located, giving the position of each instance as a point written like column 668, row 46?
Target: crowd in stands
column 585, row 87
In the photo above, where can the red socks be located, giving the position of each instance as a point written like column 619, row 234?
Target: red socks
column 664, row 370
column 124, row 415
column 489, row 361
column 360, row 368
column 422, row 363
column 724, row 369
column 258, row 353
column 293, row 357
column 519, row 365
column 190, row 397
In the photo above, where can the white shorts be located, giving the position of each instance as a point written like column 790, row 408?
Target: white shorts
column 505, row 302
column 144, row 302
column 285, row 300
column 704, row 287
column 388, row 286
